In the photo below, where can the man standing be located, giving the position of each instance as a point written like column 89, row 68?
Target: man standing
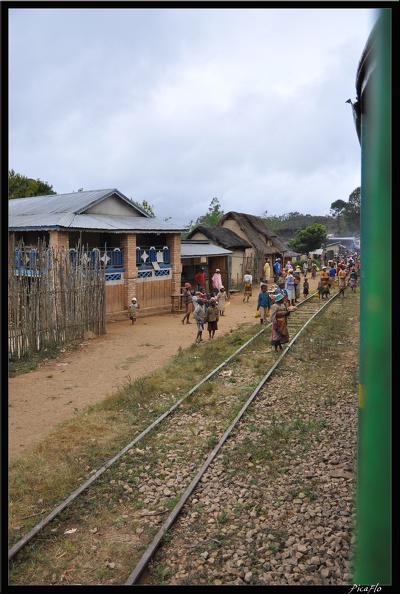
column 200, row 278
column 277, row 269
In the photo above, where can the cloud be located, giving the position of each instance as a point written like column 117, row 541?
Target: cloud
column 176, row 106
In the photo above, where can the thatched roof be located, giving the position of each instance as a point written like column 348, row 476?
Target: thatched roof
column 255, row 230
column 222, row 236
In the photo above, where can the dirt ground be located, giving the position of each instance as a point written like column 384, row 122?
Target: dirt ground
column 39, row 400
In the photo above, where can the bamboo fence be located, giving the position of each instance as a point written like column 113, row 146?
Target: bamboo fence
column 51, row 300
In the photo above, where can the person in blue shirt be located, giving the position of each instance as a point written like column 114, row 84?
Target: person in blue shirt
column 277, row 269
column 263, row 303
column 332, row 274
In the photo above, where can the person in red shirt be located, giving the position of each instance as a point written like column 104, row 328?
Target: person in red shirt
column 200, row 278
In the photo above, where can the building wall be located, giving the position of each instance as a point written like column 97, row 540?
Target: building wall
column 128, row 244
column 174, row 244
column 59, row 239
column 237, row 266
column 159, row 289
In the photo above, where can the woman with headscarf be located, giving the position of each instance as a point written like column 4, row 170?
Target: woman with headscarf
column 279, row 315
column 267, row 269
column 290, row 287
column 216, row 281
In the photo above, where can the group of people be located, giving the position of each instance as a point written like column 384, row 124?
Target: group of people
column 205, row 307
column 347, row 275
column 208, row 307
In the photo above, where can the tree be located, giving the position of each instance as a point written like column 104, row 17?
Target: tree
column 213, row 215
column 348, row 212
column 20, row 186
column 145, row 206
column 338, row 209
column 353, row 210
column 309, row 239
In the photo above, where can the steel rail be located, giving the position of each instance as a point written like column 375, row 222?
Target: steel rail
column 148, row 554
column 36, row 529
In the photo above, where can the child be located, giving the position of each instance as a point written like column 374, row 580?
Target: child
column 199, row 314
column 212, row 318
column 306, row 288
column 281, row 289
column 320, row 288
column 325, row 288
column 133, row 309
column 264, row 304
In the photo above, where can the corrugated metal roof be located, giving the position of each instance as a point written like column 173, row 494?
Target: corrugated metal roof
column 66, row 211
column 90, row 222
column 75, row 202
column 195, row 250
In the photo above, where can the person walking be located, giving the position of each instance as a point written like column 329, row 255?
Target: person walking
column 264, row 304
column 353, row 278
column 199, row 315
column 277, row 269
column 306, row 288
column 267, row 269
column 342, row 280
column 223, row 299
column 297, row 281
column 248, row 285
column 200, row 278
column 326, row 291
column 279, row 331
column 290, row 287
column 324, row 275
column 212, row 318
column 216, row 281
column 332, row 274
column 188, row 301
column 305, row 268
column 133, row 308
column 313, row 270
column 320, row 288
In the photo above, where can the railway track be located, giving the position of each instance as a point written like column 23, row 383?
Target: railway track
column 155, row 475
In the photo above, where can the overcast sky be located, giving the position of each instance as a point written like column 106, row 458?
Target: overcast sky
column 178, row 106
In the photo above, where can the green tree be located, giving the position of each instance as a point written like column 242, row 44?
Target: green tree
column 338, row 209
column 20, row 186
column 309, row 239
column 348, row 213
column 146, row 206
column 353, row 210
column 213, row 215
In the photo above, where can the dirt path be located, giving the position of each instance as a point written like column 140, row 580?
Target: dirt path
column 40, row 400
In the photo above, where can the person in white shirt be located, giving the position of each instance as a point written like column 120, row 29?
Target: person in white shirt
column 248, row 285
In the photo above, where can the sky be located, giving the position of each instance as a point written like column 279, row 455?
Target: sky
column 177, row 106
